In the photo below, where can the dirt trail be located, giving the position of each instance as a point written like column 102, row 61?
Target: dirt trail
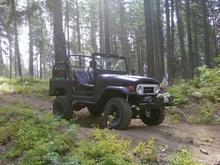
column 203, row 140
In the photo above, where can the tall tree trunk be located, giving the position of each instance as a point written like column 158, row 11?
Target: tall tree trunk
column 195, row 34
column 93, row 28
column 67, row 27
column 113, row 44
column 143, row 49
column 189, row 37
column 160, row 37
column 10, row 54
column 31, row 54
column 101, row 40
column 170, row 61
column 106, row 27
column 123, row 33
column 172, row 41
column 59, row 37
column 215, row 42
column 206, row 33
column 181, row 42
column 17, row 50
column 149, row 37
column 155, row 30
column 78, row 26
column 138, row 46
column 1, row 57
column 41, row 60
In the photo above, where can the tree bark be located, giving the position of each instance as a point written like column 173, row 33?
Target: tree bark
column 101, row 40
column 170, row 61
column 1, row 57
column 138, row 47
column 195, row 34
column 160, row 37
column 59, row 37
column 156, row 43
column 172, row 41
column 31, row 54
column 181, row 42
column 215, row 42
column 206, row 33
column 123, row 33
column 78, row 26
column 41, row 60
column 149, row 37
column 93, row 28
column 106, row 27
column 189, row 37
column 10, row 55
column 67, row 24
column 17, row 50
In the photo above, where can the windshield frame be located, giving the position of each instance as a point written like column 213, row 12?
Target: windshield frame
column 105, row 71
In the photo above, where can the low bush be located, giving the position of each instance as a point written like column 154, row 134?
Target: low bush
column 147, row 152
column 25, row 86
column 33, row 137
column 180, row 92
column 103, row 148
column 183, row 157
column 39, row 138
column 206, row 87
column 203, row 93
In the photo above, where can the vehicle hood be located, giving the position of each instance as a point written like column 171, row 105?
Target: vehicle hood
column 129, row 79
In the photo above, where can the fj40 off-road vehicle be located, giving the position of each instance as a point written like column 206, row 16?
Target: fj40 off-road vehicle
column 102, row 84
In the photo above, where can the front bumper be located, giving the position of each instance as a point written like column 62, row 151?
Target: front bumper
column 162, row 99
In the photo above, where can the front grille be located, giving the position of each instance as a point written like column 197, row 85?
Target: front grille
column 149, row 90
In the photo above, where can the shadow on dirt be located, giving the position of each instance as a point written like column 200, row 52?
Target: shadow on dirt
column 86, row 120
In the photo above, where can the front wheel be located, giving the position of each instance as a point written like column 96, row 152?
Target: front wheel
column 62, row 108
column 154, row 116
column 118, row 113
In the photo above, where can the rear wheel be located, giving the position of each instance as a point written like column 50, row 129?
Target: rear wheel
column 154, row 116
column 62, row 108
column 118, row 113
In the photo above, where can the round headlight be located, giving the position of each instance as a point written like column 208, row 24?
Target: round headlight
column 157, row 89
column 139, row 89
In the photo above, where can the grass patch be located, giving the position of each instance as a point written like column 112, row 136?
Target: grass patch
column 183, row 157
column 34, row 137
column 203, row 93
column 25, row 86
column 147, row 152
column 37, row 137
column 103, row 147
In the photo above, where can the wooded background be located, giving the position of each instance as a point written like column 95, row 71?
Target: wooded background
column 167, row 36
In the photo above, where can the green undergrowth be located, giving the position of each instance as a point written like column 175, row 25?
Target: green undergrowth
column 204, row 87
column 25, row 86
column 183, row 157
column 103, row 147
column 199, row 98
column 29, row 136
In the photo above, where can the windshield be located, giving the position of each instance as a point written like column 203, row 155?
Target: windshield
column 111, row 63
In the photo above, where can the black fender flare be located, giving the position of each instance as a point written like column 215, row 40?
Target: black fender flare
column 114, row 89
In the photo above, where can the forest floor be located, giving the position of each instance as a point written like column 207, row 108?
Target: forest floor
column 203, row 140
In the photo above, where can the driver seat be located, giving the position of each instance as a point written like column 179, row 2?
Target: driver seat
column 83, row 80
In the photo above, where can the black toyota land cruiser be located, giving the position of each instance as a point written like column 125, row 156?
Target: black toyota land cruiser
column 101, row 83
